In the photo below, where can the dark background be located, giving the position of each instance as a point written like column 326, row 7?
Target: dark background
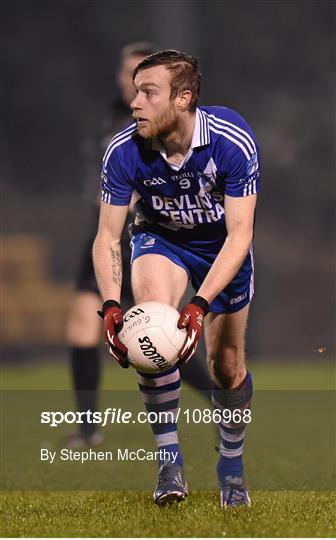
column 273, row 61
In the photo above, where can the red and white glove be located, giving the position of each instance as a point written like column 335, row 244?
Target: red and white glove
column 113, row 323
column 191, row 318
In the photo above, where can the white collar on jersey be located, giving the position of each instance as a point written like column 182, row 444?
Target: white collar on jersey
column 201, row 135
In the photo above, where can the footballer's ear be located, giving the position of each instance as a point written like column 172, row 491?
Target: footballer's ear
column 183, row 100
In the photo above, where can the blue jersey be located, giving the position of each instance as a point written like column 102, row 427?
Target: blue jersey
column 188, row 199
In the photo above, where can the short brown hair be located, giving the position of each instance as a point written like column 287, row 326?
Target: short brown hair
column 185, row 70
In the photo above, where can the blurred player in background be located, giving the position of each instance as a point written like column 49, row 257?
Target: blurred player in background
column 84, row 327
column 196, row 223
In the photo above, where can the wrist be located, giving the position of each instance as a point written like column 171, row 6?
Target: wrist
column 107, row 305
column 200, row 302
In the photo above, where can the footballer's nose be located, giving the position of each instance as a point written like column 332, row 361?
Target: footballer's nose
column 136, row 103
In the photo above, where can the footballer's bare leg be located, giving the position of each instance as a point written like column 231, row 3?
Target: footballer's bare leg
column 84, row 336
column 155, row 277
column 225, row 341
column 158, row 278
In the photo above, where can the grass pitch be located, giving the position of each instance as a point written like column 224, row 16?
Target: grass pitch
column 285, row 513
column 129, row 514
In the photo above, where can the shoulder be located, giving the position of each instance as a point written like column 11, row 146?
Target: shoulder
column 229, row 130
column 226, row 117
column 120, row 144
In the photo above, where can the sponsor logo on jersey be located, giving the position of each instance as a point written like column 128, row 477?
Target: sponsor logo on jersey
column 149, row 350
column 154, row 181
column 190, row 210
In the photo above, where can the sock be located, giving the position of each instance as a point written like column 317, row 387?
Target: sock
column 231, row 433
column 161, row 392
column 85, row 366
column 196, row 374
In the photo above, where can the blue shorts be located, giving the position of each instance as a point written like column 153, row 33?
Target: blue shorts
column 197, row 264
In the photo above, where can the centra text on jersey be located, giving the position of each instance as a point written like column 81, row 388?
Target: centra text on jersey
column 190, row 209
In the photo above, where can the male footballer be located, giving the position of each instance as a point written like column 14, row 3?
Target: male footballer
column 84, row 327
column 196, row 170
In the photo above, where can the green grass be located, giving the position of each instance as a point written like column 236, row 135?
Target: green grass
column 274, row 375
column 127, row 514
column 272, row 459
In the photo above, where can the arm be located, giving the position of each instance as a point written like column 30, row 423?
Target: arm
column 107, row 250
column 108, row 269
column 239, row 217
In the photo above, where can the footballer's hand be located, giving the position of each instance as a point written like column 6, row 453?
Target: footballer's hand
column 113, row 323
column 191, row 318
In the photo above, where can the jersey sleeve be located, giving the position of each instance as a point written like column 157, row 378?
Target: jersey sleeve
column 242, row 174
column 115, row 188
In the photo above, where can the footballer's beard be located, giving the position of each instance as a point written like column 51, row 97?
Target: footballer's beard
column 161, row 126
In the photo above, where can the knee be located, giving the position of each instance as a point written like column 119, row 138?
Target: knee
column 227, row 366
column 74, row 328
column 147, row 293
column 83, row 328
column 143, row 294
